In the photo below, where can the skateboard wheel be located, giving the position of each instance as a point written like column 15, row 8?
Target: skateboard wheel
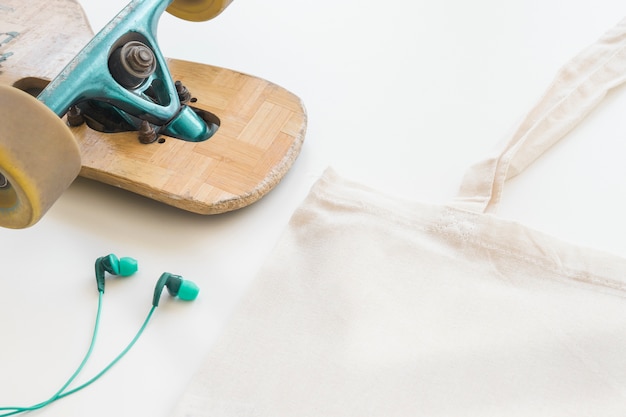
column 39, row 158
column 197, row 10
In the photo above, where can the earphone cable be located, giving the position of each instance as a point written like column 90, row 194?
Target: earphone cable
column 17, row 410
column 62, row 393
column 113, row 362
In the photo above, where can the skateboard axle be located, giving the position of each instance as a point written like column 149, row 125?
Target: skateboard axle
column 4, row 183
column 132, row 64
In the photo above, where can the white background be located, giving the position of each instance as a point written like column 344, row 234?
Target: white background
column 401, row 95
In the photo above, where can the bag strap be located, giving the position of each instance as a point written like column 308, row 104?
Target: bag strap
column 578, row 87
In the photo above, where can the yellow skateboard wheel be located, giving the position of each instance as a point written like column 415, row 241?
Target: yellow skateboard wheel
column 39, row 158
column 197, row 10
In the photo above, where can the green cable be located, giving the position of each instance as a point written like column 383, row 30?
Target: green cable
column 61, row 393
column 114, row 361
column 56, row 396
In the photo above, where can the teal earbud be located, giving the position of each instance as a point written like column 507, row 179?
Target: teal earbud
column 123, row 267
column 176, row 286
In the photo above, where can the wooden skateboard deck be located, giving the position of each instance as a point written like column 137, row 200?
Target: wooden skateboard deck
column 262, row 125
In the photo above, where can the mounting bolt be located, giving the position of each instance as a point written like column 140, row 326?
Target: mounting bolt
column 183, row 93
column 75, row 117
column 147, row 134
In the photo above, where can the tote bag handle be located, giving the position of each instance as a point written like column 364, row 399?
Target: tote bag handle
column 578, row 87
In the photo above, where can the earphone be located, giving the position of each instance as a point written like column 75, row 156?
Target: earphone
column 124, row 267
column 176, row 286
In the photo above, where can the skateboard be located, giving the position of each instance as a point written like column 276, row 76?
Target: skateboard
column 111, row 108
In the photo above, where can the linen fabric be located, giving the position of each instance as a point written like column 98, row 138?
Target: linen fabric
column 376, row 306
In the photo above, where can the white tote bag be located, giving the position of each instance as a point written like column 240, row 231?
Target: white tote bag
column 373, row 306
